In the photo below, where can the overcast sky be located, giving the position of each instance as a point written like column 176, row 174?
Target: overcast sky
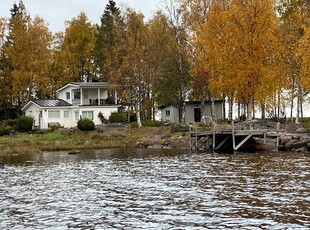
column 56, row 12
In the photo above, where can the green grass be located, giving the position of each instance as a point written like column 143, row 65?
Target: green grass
column 305, row 122
column 54, row 141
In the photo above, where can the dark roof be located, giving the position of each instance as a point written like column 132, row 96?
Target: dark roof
column 191, row 103
column 50, row 103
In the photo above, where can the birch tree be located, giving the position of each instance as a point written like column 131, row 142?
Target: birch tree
column 27, row 50
column 78, row 48
column 295, row 16
column 180, row 70
column 240, row 42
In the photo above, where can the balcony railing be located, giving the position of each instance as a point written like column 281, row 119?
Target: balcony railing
column 93, row 102
column 97, row 102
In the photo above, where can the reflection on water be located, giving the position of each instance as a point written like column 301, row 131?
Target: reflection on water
column 155, row 189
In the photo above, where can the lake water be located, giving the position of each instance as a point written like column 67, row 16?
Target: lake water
column 155, row 189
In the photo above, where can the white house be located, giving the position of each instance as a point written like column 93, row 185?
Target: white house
column 194, row 111
column 76, row 100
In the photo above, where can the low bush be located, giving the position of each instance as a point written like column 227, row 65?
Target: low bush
column 305, row 122
column 118, row 117
column 11, row 122
column 152, row 123
column 4, row 129
column 24, row 123
column 86, row 124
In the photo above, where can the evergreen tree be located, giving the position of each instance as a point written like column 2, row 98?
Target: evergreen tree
column 108, row 50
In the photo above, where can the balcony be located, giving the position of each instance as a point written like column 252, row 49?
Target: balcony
column 98, row 102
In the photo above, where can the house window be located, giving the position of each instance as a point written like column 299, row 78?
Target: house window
column 66, row 114
column 85, row 94
column 88, row 114
column 77, row 95
column 54, row 114
column 76, row 115
column 68, row 96
column 167, row 113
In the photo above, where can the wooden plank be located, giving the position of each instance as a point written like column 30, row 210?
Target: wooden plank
column 242, row 142
column 222, row 143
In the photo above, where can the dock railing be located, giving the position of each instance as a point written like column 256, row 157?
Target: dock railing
column 235, row 135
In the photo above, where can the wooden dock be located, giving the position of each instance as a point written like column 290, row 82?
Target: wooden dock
column 228, row 140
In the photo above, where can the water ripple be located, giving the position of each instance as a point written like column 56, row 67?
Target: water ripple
column 150, row 189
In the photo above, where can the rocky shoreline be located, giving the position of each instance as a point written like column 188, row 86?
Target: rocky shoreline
column 292, row 137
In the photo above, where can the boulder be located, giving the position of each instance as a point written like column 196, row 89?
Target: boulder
column 74, row 151
column 13, row 133
column 301, row 130
column 292, row 127
column 300, row 144
column 300, row 149
column 285, row 139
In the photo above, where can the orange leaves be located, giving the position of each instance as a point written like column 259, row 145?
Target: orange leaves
column 77, row 48
column 303, row 50
column 240, row 42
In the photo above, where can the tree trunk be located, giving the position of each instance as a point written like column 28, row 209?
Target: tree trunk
column 224, row 107
column 230, row 109
column 292, row 97
column 299, row 103
column 213, row 110
column 138, row 114
column 279, row 103
column 263, row 107
column 250, row 110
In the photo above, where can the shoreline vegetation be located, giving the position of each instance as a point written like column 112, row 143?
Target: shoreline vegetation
column 122, row 136
column 117, row 136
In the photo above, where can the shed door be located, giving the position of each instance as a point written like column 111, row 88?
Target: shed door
column 197, row 114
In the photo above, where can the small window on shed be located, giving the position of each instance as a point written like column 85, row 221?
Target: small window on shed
column 167, row 113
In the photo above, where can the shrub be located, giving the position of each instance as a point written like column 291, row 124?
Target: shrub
column 11, row 122
column 118, row 117
column 305, row 122
column 86, row 124
column 24, row 123
column 4, row 129
column 152, row 123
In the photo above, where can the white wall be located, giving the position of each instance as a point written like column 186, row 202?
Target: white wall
column 106, row 111
column 33, row 111
column 189, row 112
column 174, row 114
column 62, row 94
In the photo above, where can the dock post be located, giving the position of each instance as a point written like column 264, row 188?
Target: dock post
column 278, row 128
column 190, row 137
column 213, row 139
column 233, row 135
column 196, row 139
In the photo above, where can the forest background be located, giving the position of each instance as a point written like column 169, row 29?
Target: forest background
column 254, row 54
